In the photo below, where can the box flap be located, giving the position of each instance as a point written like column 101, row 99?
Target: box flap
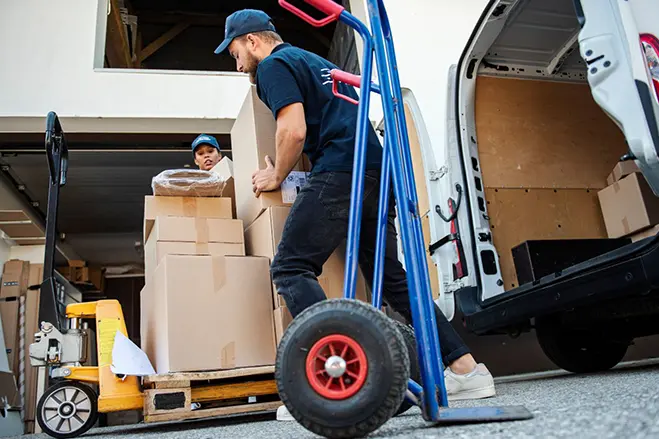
column 198, row 230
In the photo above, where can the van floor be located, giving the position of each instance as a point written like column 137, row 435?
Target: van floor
column 546, row 149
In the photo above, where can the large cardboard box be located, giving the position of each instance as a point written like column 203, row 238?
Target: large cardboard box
column 262, row 238
column 252, row 139
column 208, row 313
column 225, row 170
column 628, row 206
column 31, row 327
column 9, row 315
column 192, row 236
column 283, row 318
column 622, row 170
column 199, row 207
column 14, row 278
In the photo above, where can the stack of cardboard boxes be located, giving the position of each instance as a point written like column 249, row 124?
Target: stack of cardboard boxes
column 77, row 272
column 209, row 302
column 629, row 206
column 19, row 311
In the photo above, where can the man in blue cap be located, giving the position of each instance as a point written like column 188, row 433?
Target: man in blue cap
column 295, row 84
column 206, row 151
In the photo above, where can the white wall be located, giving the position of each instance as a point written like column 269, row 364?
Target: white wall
column 429, row 36
column 48, row 51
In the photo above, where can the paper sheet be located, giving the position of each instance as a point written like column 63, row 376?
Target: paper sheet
column 128, row 359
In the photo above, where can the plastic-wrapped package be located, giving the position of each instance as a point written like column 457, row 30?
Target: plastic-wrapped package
column 188, row 183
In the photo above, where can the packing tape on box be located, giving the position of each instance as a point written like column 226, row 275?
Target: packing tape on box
column 189, row 206
column 201, row 228
column 202, row 249
column 219, row 272
column 228, row 356
column 625, row 226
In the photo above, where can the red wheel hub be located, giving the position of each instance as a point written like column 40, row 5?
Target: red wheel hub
column 336, row 367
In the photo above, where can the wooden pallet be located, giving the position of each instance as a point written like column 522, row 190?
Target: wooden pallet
column 170, row 397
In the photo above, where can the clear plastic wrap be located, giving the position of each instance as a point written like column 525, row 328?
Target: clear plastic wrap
column 188, row 183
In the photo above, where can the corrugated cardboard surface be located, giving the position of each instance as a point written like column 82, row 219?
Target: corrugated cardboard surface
column 622, row 170
column 9, row 315
column 225, row 170
column 253, row 138
column 518, row 215
column 199, row 207
column 14, row 278
column 628, row 206
column 208, row 313
column 542, row 134
column 199, row 230
column 645, row 233
column 283, row 318
column 31, row 327
column 262, row 238
column 192, row 236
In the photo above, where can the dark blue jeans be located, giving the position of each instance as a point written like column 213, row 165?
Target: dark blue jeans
column 318, row 224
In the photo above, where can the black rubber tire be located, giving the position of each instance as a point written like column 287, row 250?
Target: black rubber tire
column 578, row 351
column 415, row 372
column 93, row 413
column 387, row 373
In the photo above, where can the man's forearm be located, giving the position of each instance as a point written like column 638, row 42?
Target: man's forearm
column 289, row 144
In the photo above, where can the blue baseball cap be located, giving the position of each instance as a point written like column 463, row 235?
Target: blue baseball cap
column 243, row 22
column 205, row 139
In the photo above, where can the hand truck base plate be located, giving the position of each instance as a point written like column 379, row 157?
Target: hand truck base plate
column 477, row 415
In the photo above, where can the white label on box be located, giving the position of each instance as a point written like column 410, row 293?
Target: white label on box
column 292, row 186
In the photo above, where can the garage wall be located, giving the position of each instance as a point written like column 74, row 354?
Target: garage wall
column 55, row 47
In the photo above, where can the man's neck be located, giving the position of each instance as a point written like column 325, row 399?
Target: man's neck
column 270, row 49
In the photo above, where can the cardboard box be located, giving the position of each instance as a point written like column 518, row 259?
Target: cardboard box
column 9, row 315
column 225, row 170
column 628, row 206
column 252, row 139
column 208, row 313
column 192, row 236
column 75, row 274
column 262, row 238
column 31, row 327
column 652, row 231
column 199, row 207
column 622, row 170
column 283, row 318
column 14, row 278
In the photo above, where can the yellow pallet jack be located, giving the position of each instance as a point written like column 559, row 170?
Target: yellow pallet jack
column 69, row 406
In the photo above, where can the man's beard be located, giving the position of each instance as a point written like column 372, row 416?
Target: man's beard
column 250, row 67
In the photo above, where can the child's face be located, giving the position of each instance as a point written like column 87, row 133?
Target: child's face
column 206, row 156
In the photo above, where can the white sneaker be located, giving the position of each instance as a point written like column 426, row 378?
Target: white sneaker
column 476, row 384
column 283, row 414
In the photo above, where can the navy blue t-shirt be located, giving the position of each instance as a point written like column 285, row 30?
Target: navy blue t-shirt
column 290, row 75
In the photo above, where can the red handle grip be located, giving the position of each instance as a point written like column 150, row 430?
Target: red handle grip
column 332, row 9
column 348, row 78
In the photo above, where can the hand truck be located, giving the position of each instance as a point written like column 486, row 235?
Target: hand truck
column 343, row 367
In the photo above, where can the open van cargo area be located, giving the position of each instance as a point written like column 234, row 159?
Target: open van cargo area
column 546, row 149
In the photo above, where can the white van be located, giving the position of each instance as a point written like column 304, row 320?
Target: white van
column 547, row 98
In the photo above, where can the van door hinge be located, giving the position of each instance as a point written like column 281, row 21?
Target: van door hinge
column 439, row 173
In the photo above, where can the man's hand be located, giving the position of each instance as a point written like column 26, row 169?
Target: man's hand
column 265, row 180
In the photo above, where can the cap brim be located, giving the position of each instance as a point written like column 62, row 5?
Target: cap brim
column 222, row 47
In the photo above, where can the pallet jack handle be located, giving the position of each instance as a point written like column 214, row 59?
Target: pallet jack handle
column 332, row 9
column 57, row 155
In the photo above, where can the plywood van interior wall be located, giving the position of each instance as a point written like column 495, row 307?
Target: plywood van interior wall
column 545, row 149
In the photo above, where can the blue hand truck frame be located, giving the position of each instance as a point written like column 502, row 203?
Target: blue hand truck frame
column 396, row 163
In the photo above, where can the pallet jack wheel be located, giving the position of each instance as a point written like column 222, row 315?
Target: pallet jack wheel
column 342, row 368
column 67, row 409
column 415, row 372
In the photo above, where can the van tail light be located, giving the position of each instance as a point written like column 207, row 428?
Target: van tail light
column 650, row 45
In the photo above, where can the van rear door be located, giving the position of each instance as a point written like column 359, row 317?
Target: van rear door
column 619, row 41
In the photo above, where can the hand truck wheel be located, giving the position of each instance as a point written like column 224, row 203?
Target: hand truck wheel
column 415, row 372
column 67, row 409
column 342, row 368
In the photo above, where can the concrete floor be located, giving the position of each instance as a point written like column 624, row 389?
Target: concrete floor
column 620, row 403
